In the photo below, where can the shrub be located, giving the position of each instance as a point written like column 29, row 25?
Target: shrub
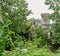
column 5, row 34
column 29, row 52
column 39, row 31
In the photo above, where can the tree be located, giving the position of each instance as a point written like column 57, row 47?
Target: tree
column 55, row 6
column 13, row 23
column 16, row 11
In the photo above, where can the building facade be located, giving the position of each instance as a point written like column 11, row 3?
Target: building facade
column 45, row 22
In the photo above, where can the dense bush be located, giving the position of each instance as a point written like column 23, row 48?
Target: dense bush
column 56, row 32
column 5, row 35
column 41, row 35
column 39, row 31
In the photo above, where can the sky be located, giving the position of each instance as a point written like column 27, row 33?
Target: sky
column 37, row 7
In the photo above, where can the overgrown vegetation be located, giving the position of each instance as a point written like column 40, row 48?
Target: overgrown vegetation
column 19, row 37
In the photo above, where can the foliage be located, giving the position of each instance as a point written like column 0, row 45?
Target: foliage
column 39, row 31
column 54, row 5
column 5, row 34
column 56, row 32
column 15, row 28
column 17, row 12
column 29, row 52
column 41, row 35
column 13, row 23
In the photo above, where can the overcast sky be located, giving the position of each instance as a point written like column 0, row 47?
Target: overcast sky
column 38, row 7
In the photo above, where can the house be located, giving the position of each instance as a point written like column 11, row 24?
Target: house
column 45, row 22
